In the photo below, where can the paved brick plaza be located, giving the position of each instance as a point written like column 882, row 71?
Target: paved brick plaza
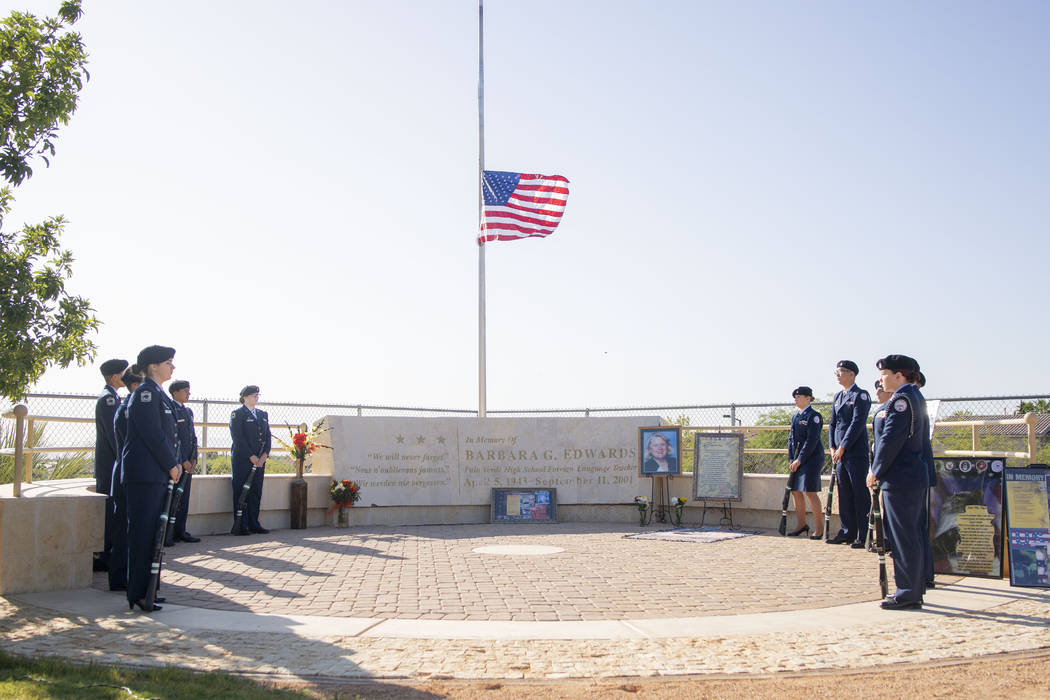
column 419, row 603
column 432, row 572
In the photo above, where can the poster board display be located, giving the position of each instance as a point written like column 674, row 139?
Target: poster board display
column 517, row 505
column 966, row 516
column 718, row 466
column 1028, row 525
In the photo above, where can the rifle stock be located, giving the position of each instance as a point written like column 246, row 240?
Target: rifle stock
column 827, row 506
column 158, row 550
column 880, row 539
column 242, row 501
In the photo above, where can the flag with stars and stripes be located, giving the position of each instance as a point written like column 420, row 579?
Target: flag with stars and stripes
column 519, row 205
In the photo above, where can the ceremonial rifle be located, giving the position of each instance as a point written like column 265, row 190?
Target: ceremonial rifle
column 782, row 529
column 827, row 506
column 158, row 550
column 242, row 501
column 880, row 539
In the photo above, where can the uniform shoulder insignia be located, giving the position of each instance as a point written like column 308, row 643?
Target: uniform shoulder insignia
column 900, row 405
column 146, row 397
column 816, row 419
column 110, row 401
column 864, row 396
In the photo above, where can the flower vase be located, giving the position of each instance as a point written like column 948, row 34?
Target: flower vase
column 678, row 516
column 343, row 517
column 641, row 517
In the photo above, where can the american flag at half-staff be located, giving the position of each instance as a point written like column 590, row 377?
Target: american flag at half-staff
column 520, row 205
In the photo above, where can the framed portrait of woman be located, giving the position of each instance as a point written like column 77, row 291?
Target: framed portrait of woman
column 658, row 450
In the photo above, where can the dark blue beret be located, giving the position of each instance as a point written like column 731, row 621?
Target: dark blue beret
column 154, row 355
column 850, row 365
column 250, row 389
column 178, row 385
column 898, row 363
column 113, row 367
column 802, row 391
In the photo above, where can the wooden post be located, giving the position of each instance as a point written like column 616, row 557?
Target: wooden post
column 21, row 411
column 1033, row 446
column 973, row 435
column 27, row 459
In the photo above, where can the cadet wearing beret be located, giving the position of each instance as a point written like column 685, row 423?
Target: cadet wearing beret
column 106, row 451
column 931, row 471
column 878, row 418
column 900, row 469
column 150, row 458
column 180, row 394
column 250, row 431
column 848, row 434
column 806, row 457
column 118, row 560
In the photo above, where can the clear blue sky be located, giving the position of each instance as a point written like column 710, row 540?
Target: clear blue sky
column 286, row 193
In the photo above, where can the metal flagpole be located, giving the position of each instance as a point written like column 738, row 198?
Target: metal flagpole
column 481, row 209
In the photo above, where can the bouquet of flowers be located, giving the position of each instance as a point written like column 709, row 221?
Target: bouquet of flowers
column 679, row 505
column 643, row 506
column 303, row 444
column 344, row 493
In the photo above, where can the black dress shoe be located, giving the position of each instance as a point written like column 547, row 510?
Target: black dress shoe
column 796, row 533
column 187, row 537
column 260, row 530
column 892, row 603
column 142, row 605
column 170, row 542
column 159, row 599
column 857, row 545
column 931, row 584
column 838, row 540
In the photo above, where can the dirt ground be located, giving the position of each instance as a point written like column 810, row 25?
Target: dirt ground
column 1016, row 676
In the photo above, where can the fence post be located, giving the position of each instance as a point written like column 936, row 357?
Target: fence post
column 1033, row 446
column 973, row 437
column 21, row 411
column 359, row 411
column 27, row 460
column 204, row 439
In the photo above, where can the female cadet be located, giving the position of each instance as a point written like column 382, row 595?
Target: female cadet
column 900, row 469
column 250, row 433
column 806, row 453
column 150, row 459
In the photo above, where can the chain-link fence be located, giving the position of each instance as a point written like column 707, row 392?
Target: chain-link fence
column 79, row 437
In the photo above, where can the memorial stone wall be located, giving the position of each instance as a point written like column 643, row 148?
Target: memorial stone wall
column 457, row 461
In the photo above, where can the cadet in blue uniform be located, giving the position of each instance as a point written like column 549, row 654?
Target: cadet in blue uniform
column 878, row 418
column 901, row 470
column 927, row 452
column 118, row 561
column 106, row 452
column 250, row 431
column 806, row 457
column 849, row 444
column 150, row 459
column 180, row 394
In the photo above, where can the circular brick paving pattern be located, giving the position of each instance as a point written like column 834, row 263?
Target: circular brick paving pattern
column 433, row 572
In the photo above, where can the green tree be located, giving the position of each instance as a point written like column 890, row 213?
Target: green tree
column 1038, row 406
column 41, row 74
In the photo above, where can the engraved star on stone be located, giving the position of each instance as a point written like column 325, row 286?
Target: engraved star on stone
column 400, row 439
column 420, row 439
column 441, row 440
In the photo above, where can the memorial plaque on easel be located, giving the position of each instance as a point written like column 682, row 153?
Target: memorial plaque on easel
column 718, row 466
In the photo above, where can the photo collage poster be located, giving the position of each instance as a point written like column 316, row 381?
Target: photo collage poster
column 966, row 516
